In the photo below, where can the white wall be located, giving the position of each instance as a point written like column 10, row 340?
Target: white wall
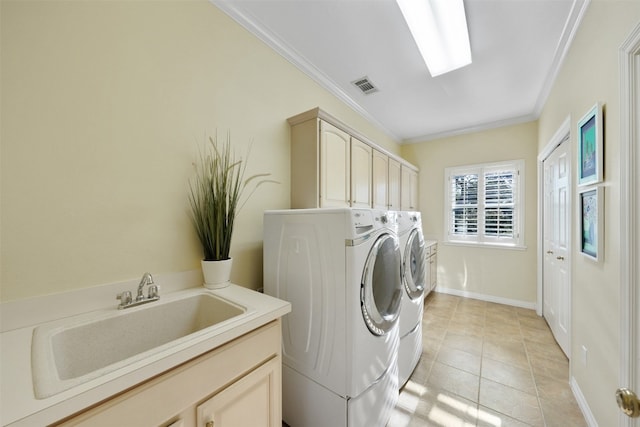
column 491, row 273
column 104, row 106
column 590, row 73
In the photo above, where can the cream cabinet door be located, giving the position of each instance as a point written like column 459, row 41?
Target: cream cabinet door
column 248, row 402
column 393, row 185
column 335, row 162
column 409, row 189
column 433, row 267
column 380, row 180
column 361, row 161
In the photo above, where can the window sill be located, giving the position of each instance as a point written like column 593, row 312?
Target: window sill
column 486, row 245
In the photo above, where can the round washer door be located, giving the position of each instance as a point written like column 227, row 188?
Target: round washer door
column 381, row 285
column 414, row 266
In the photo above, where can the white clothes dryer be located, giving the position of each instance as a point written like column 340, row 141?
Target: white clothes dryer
column 414, row 280
column 341, row 271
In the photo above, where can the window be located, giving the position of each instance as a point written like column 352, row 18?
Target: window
column 483, row 204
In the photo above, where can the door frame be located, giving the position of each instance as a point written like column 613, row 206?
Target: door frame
column 629, row 58
column 562, row 134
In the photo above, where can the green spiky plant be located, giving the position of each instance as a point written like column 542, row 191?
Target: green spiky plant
column 216, row 196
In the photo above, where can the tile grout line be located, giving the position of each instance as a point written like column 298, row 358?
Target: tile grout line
column 533, row 377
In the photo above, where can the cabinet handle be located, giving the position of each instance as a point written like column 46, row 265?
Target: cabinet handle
column 561, row 258
column 550, row 252
column 209, row 424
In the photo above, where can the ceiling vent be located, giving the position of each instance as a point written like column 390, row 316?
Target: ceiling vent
column 365, row 85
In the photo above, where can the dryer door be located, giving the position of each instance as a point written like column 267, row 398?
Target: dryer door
column 414, row 266
column 381, row 285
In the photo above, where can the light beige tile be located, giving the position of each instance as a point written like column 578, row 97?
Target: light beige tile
column 466, row 328
column 554, row 389
column 442, row 408
column 459, row 359
column 551, row 368
column 542, row 336
column 506, row 351
column 525, row 312
column 549, row 351
column 511, row 402
column 489, row 418
column 468, row 317
column 503, row 330
column 510, row 375
column 533, row 323
column 561, row 413
column 444, row 312
column 422, row 370
column 520, row 364
column 468, row 343
column 495, row 307
column 453, row 380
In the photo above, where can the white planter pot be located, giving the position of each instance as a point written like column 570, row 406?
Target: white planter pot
column 217, row 274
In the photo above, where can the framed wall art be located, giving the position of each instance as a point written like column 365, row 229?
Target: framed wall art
column 591, row 222
column 590, row 147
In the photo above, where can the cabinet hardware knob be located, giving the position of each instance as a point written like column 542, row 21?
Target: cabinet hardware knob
column 209, row 424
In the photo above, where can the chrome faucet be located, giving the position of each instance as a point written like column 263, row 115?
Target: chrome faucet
column 126, row 299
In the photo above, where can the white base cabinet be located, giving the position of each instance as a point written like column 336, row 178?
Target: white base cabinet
column 237, row 384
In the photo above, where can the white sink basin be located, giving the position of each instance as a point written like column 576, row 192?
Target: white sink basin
column 73, row 351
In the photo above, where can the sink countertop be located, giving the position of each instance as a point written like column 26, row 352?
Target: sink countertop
column 19, row 406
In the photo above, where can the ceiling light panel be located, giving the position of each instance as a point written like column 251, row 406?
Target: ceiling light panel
column 439, row 28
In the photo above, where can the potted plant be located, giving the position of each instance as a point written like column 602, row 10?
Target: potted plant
column 217, row 193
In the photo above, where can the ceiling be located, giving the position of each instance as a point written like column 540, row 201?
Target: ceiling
column 517, row 47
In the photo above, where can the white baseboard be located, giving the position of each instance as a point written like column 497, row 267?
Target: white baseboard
column 489, row 298
column 582, row 403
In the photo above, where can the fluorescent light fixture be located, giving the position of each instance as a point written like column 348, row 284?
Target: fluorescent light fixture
column 439, row 28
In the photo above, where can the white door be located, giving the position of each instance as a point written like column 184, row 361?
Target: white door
column 630, row 231
column 556, row 234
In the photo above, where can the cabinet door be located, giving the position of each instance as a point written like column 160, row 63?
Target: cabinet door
column 380, row 180
column 409, row 189
column 335, row 147
column 251, row 401
column 361, row 175
column 433, row 270
column 394, row 185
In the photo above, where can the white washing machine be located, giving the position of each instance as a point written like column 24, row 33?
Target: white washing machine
column 341, row 271
column 414, row 280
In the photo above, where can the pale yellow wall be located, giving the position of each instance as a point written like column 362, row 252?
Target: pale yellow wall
column 590, row 73
column 501, row 273
column 104, row 106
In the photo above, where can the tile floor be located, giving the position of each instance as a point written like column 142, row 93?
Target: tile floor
column 489, row 365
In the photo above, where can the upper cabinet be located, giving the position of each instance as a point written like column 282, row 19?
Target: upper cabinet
column 334, row 166
column 361, row 174
column 381, row 179
column 408, row 189
column 394, row 185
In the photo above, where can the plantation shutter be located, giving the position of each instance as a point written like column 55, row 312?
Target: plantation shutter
column 500, row 191
column 464, row 204
column 483, row 204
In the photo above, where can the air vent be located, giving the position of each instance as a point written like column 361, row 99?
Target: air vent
column 365, row 85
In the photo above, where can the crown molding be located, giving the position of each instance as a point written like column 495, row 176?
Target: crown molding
column 250, row 23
